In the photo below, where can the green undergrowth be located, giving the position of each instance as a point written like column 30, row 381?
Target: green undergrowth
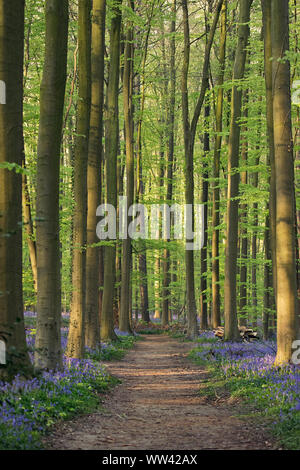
column 114, row 350
column 174, row 330
column 257, row 397
column 29, row 408
column 151, row 331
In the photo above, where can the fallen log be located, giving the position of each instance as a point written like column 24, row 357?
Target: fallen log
column 247, row 334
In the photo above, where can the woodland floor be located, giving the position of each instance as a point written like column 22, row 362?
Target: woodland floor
column 157, row 407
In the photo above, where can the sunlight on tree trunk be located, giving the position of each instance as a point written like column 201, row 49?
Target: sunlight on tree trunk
column 111, row 149
column 48, row 338
column 94, row 174
column 230, row 312
column 286, row 292
column 76, row 337
column 124, row 319
column 11, row 143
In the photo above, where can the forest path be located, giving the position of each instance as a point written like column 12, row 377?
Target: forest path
column 157, row 407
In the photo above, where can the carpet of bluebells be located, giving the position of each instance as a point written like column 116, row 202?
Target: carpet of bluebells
column 29, row 407
column 247, row 370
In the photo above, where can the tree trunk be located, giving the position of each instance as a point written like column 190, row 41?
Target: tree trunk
column 189, row 130
column 189, row 178
column 27, row 220
column 230, row 310
column 124, row 323
column 266, row 10
column 243, row 227
column 144, row 288
column 12, row 330
column 157, row 311
column 111, row 152
column 48, row 342
column 268, row 297
column 166, row 311
column 204, row 251
column 216, row 301
column 286, row 292
column 76, row 337
column 254, row 247
column 94, row 174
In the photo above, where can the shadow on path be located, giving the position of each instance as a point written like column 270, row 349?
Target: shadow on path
column 157, row 407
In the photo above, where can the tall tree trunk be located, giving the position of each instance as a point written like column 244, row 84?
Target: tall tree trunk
column 254, row 247
column 243, row 227
column 268, row 281
column 204, row 201
column 120, row 190
column 28, row 223
column 111, row 152
column 166, row 311
column 266, row 10
column 48, row 343
column 189, row 139
column 124, row 323
column 297, row 169
column 139, row 170
column 158, row 261
column 26, row 203
column 76, row 337
column 189, row 178
column 157, row 311
column 286, row 292
column 12, row 330
column 297, row 228
column 142, row 257
column 94, row 174
column 230, row 313
column 216, row 301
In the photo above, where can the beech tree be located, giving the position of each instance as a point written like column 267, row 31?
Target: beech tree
column 94, row 174
column 111, row 152
column 76, row 338
column 48, row 354
column 166, row 310
column 189, row 130
column 11, row 142
column 128, row 81
column 230, row 312
column 216, row 313
column 286, row 287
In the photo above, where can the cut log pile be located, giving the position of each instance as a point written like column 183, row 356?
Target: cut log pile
column 247, row 334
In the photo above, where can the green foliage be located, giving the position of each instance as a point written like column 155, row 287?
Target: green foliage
column 36, row 411
column 151, row 331
column 259, row 391
column 13, row 167
column 112, row 351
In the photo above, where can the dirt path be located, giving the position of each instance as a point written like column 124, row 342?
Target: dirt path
column 157, row 408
